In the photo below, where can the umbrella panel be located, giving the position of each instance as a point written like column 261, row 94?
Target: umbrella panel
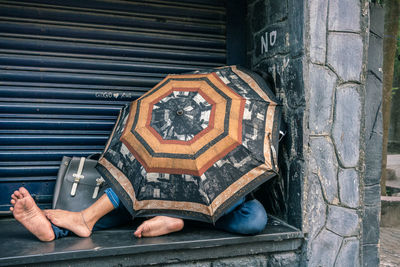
column 159, row 154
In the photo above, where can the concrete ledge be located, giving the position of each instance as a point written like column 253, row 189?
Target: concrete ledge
column 118, row 247
column 390, row 211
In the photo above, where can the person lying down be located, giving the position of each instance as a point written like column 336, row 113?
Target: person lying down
column 247, row 216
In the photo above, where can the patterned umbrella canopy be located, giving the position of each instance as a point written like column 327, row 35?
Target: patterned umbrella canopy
column 194, row 144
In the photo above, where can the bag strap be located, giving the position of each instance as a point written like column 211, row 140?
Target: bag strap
column 78, row 175
column 99, row 182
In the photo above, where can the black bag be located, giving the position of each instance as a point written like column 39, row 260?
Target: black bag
column 78, row 184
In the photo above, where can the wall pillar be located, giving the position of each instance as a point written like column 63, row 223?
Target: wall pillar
column 316, row 54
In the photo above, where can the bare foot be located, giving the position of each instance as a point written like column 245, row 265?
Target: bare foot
column 73, row 221
column 159, row 225
column 30, row 216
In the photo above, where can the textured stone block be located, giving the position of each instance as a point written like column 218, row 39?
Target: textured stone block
column 293, row 85
column 242, row 261
column 277, row 11
column 342, row 221
column 344, row 16
column 349, row 253
column 318, row 14
column 373, row 131
column 371, row 225
column 315, row 207
column 370, row 255
column 191, row 264
column 372, row 195
column 322, row 84
column 294, row 196
column 271, row 40
column 289, row 259
column 296, row 26
column 373, row 110
column 377, row 15
column 373, row 159
column 324, row 164
column 346, row 126
column 275, row 67
column 375, row 56
column 324, row 249
column 345, row 55
column 349, row 187
column 287, row 79
column 294, row 135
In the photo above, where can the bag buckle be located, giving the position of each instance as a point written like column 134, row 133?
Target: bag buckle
column 99, row 182
column 78, row 175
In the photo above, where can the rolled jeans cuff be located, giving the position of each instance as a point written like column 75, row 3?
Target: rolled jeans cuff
column 113, row 197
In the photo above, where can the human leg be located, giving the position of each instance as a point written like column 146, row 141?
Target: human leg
column 91, row 219
column 39, row 222
column 248, row 218
column 156, row 226
column 30, row 215
column 118, row 216
column 82, row 223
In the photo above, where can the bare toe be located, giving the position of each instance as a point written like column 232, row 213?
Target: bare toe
column 24, row 192
column 139, row 230
column 17, row 195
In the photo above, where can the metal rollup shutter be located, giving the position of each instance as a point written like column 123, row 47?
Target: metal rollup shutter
column 67, row 67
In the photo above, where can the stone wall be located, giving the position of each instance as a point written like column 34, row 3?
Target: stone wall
column 285, row 259
column 315, row 53
column 335, row 81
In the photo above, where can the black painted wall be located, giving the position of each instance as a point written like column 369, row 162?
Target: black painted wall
column 275, row 49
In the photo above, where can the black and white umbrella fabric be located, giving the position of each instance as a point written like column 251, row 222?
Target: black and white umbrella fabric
column 194, row 144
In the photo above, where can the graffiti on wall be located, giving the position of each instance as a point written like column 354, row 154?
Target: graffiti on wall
column 268, row 40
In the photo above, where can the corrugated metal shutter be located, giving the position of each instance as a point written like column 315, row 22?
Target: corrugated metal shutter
column 66, row 68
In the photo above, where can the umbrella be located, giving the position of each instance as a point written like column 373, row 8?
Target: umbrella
column 194, row 144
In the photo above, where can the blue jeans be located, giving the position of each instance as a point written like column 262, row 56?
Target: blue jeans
column 245, row 217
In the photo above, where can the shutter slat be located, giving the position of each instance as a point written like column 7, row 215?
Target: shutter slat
column 61, row 61
column 96, row 96
column 32, row 170
column 159, row 13
column 88, row 47
column 53, row 139
column 68, row 66
column 156, row 37
column 73, row 110
column 15, row 182
column 54, row 124
column 41, row 155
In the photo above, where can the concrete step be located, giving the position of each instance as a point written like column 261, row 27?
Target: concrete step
column 390, row 211
column 389, row 247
